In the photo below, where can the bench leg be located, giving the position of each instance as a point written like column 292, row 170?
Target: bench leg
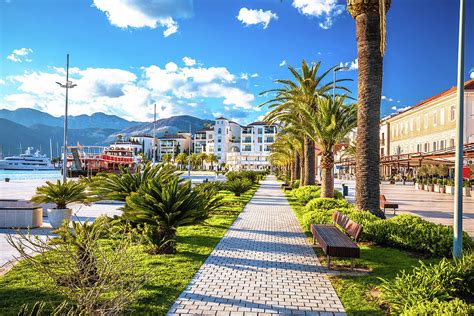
column 328, row 259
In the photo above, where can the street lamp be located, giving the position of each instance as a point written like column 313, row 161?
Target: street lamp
column 68, row 85
column 458, row 207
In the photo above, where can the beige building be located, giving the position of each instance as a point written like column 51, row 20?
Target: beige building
column 430, row 125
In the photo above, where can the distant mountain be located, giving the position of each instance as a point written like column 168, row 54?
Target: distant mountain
column 30, row 117
column 12, row 135
column 174, row 124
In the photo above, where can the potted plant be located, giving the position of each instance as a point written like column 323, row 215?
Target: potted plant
column 466, row 188
column 419, row 184
column 61, row 194
column 430, row 185
column 436, row 185
column 442, row 184
column 450, row 186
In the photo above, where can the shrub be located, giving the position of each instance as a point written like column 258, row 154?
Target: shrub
column 326, row 204
column 97, row 277
column 414, row 233
column 253, row 176
column 295, row 184
column 306, row 193
column 239, row 186
column 443, row 281
column 439, row 308
column 338, row 195
column 164, row 207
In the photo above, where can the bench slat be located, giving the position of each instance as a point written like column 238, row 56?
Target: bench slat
column 334, row 242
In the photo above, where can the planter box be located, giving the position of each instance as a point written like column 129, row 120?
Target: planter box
column 449, row 190
column 442, row 189
column 466, row 191
column 21, row 217
column 57, row 216
column 430, row 187
column 437, row 188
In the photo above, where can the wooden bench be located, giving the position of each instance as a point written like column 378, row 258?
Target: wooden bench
column 336, row 243
column 386, row 204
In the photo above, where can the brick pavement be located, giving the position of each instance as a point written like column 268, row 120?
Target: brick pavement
column 263, row 265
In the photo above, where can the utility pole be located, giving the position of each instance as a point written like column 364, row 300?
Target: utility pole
column 67, row 86
column 458, row 207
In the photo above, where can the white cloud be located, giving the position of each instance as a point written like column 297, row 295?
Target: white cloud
column 352, row 65
column 255, row 75
column 323, row 9
column 20, row 55
column 244, row 76
column 283, row 63
column 2, row 82
column 146, row 13
column 188, row 61
column 472, row 74
column 252, row 17
column 179, row 90
column 394, row 108
column 385, row 98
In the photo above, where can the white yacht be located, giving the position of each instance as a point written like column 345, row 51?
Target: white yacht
column 27, row 161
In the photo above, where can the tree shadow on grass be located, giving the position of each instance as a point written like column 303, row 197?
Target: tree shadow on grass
column 11, row 299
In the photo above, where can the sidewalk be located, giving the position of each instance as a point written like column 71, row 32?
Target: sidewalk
column 263, row 265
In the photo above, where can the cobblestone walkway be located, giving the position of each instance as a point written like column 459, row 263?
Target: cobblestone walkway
column 263, row 265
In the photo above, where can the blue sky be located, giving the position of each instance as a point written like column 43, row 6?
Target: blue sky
column 211, row 57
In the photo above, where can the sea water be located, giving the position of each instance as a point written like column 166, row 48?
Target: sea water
column 30, row 174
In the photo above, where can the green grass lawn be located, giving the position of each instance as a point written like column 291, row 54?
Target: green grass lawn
column 358, row 292
column 169, row 273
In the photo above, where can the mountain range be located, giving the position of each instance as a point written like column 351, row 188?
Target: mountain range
column 32, row 128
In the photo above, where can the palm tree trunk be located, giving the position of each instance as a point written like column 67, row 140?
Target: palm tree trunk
column 368, row 116
column 327, row 180
column 316, row 164
column 297, row 166
column 309, row 174
column 302, row 170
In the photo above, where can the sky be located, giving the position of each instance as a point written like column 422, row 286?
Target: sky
column 212, row 57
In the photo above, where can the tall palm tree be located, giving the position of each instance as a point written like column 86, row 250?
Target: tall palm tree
column 181, row 159
column 333, row 121
column 302, row 93
column 194, row 158
column 370, row 34
column 166, row 158
column 202, row 158
column 211, row 158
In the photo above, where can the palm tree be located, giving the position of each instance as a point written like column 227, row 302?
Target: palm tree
column 211, row 158
column 370, row 34
column 202, row 158
column 194, row 158
column 181, row 159
column 302, row 94
column 166, row 157
column 332, row 123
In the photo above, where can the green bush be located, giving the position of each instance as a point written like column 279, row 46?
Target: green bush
column 439, row 308
column 306, row 193
column 295, row 184
column 338, row 195
column 444, row 281
column 414, row 233
column 326, row 204
column 253, row 176
column 239, row 186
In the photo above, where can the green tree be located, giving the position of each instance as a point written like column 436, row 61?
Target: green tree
column 333, row 121
column 60, row 193
column 181, row 159
column 166, row 158
column 370, row 34
column 211, row 158
column 202, row 158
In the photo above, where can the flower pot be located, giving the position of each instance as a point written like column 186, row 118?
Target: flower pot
column 430, row 187
column 466, row 191
column 419, row 186
column 436, row 188
column 450, row 189
column 57, row 216
column 442, row 189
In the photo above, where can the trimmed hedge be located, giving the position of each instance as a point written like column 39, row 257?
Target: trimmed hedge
column 443, row 281
column 253, row 176
column 403, row 231
column 306, row 193
column 326, row 204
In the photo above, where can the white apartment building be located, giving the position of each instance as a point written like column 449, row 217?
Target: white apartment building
column 146, row 142
column 203, row 141
column 255, row 146
column 226, row 138
column 173, row 144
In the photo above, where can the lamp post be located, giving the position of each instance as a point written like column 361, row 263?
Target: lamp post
column 68, row 85
column 458, row 207
column 154, row 134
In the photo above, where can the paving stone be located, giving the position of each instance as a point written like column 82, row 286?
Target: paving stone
column 264, row 265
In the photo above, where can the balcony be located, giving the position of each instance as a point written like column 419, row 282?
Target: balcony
column 270, row 130
column 246, row 140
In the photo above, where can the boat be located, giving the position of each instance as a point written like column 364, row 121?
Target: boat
column 27, row 161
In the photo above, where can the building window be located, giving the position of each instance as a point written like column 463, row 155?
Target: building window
column 418, row 123
column 418, row 148
column 435, row 118
column 427, row 147
column 260, row 130
column 381, row 151
column 452, row 114
column 442, row 115
column 434, row 146
column 441, row 145
column 219, row 131
column 260, row 140
column 425, row 121
column 451, row 142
